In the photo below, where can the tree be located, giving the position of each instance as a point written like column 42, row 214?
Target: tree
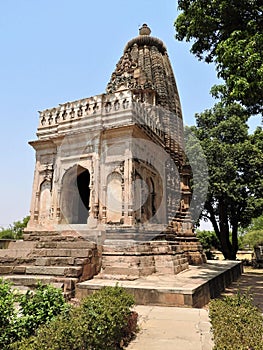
column 208, row 239
column 209, row 242
column 230, row 33
column 253, row 234
column 235, row 166
column 15, row 231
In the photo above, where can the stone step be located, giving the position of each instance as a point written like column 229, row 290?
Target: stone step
column 60, row 261
column 20, row 244
column 60, row 238
column 63, row 252
column 37, row 235
column 147, row 248
column 16, row 261
column 66, row 271
column 126, row 271
column 32, row 281
column 32, row 236
column 15, row 253
column 12, row 269
column 67, row 244
column 115, row 277
column 72, row 271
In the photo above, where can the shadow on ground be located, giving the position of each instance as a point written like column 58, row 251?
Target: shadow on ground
column 252, row 281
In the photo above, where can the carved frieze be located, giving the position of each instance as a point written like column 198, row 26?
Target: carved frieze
column 46, row 171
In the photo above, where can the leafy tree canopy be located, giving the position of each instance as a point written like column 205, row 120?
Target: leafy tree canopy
column 14, row 231
column 235, row 166
column 230, row 33
column 253, row 234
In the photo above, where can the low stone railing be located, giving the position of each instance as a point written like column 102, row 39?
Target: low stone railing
column 100, row 104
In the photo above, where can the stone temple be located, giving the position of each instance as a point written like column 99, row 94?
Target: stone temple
column 111, row 196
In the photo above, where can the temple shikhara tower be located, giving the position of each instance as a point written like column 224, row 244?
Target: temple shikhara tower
column 111, row 175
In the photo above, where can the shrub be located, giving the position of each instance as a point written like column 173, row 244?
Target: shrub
column 107, row 313
column 101, row 322
column 21, row 315
column 236, row 323
column 8, row 314
column 63, row 332
column 40, row 307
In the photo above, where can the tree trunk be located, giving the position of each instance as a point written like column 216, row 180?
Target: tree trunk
column 235, row 238
column 222, row 230
column 227, row 248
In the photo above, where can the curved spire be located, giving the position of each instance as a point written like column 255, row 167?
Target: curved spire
column 145, row 69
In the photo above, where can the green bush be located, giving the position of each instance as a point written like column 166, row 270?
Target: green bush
column 61, row 333
column 21, row 315
column 107, row 313
column 40, row 307
column 101, row 322
column 8, row 314
column 236, row 323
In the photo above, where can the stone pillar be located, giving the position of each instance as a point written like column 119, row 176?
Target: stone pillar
column 129, row 186
column 34, row 207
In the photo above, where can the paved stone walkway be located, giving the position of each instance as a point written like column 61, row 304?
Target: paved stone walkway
column 251, row 281
column 172, row 328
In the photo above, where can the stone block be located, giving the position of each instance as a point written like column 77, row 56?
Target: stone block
column 89, row 270
column 73, row 271
column 76, row 245
column 53, row 270
column 19, row 269
column 82, row 261
column 171, row 299
column 4, row 270
column 115, row 270
column 46, row 245
column 7, row 260
column 42, row 262
column 62, row 261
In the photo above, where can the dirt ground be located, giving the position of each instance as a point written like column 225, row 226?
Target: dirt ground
column 252, row 281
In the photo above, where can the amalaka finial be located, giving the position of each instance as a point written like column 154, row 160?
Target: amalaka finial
column 144, row 30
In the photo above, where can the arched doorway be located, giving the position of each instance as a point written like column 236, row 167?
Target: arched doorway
column 75, row 195
column 150, row 208
column 83, row 181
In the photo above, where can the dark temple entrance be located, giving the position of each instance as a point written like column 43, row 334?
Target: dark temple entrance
column 83, row 182
column 75, row 195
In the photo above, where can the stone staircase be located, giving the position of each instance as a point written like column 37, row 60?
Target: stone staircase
column 61, row 258
column 129, row 261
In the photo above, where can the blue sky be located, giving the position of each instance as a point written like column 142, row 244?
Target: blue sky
column 54, row 51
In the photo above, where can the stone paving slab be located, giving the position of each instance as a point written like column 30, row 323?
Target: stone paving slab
column 172, row 328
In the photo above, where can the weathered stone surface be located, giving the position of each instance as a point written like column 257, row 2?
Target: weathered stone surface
column 19, row 269
column 6, row 269
column 60, row 265
column 54, row 270
column 60, row 261
column 193, row 287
